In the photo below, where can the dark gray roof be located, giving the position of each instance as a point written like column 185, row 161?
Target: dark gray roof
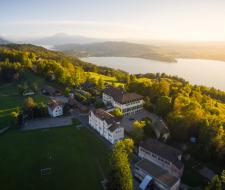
column 163, row 150
column 114, row 127
column 103, row 115
column 158, row 173
column 161, row 126
column 121, row 96
column 53, row 104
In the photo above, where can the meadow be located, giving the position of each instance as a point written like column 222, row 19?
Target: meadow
column 10, row 99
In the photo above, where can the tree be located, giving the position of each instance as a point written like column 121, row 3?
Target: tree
column 117, row 112
column 67, row 91
column 101, row 84
column 163, row 105
column 223, row 177
column 34, row 87
column 29, row 106
column 120, row 175
column 148, row 104
column 15, row 116
column 214, row 184
column 137, row 132
column 139, row 124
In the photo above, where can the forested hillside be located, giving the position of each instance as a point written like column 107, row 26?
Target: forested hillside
column 190, row 111
column 161, row 51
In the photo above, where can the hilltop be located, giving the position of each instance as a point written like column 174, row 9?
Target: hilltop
column 161, row 51
column 3, row 41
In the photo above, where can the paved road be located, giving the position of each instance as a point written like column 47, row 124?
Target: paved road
column 47, row 123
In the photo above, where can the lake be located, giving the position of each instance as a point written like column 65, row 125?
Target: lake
column 202, row 72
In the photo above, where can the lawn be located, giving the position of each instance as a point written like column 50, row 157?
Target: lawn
column 108, row 79
column 78, row 159
column 10, row 99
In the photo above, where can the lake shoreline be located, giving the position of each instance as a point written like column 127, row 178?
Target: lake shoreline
column 197, row 71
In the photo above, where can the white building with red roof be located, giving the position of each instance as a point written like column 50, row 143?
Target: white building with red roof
column 129, row 102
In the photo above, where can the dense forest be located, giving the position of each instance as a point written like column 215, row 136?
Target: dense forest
column 190, row 111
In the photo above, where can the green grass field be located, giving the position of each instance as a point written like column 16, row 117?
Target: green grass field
column 10, row 99
column 108, row 79
column 76, row 157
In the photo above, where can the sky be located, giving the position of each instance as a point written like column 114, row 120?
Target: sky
column 183, row 20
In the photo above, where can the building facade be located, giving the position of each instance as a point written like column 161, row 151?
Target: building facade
column 106, row 125
column 128, row 103
column 159, row 178
column 162, row 155
column 55, row 108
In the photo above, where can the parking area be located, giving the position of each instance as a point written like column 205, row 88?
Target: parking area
column 47, row 123
column 127, row 121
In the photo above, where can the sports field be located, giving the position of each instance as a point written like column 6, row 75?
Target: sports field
column 77, row 159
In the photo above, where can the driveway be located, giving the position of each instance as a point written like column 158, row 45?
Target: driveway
column 127, row 121
column 47, row 123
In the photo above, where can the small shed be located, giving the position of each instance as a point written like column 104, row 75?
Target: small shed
column 49, row 90
column 160, row 129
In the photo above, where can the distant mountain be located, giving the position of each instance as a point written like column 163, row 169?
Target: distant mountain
column 115, row 49
column 167, row 51
column 3, row 41
column 61, row 38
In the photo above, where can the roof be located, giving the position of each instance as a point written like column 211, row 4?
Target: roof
column 109, row 118
column 145, row 182
column 49, row 89
column 161, row 126
column 103, row 115
column 157, row 173
column 53, row 104
column 88, row 85
column 163, row 150
column 121, row 96
column 72, row 101
column 114, row 127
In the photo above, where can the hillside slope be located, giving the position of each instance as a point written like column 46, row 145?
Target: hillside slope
column 116, row 49
column 167, row 52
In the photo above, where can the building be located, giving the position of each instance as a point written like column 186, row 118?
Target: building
column 51, row 91
column 161, row 130
column 106, row 125
column 129, row 103
column 162, row 155
column 55, row 108
column 151, row 175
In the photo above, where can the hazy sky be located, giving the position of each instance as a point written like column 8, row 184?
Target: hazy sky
column 129, row 19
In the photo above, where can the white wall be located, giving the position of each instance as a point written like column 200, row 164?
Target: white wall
column 102, row 128
column 162, row 162
column 57, row 111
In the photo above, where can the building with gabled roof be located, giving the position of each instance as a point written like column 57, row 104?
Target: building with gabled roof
column 106, row 125
column 163, row 155
column 129, row 103
column 55, row 108
column 157, row 177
